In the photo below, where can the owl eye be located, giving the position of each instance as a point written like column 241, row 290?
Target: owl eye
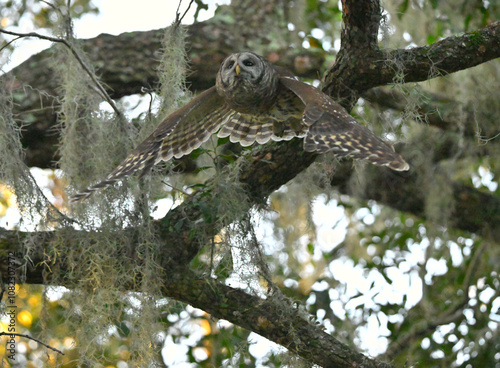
column 248, row 62
column 230, row 64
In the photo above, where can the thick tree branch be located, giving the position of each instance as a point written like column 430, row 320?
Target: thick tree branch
column 276, row 317
column 368, row 68
column 444, row 57
column 361, row 21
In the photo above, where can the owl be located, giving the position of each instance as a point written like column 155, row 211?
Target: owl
column 255, row 101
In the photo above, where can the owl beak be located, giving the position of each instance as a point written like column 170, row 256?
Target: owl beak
column 237, row 69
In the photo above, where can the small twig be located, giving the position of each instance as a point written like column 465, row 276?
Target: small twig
column 49, row 4
column 177, row 11
column 77, row 56
column 151, row 100
column 35, row 110
column 8, row 43
column 31, row 338
column 178, row 19
column 176, row 189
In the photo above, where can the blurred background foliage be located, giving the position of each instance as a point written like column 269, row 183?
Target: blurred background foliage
column 396, row 285
column 41, row 13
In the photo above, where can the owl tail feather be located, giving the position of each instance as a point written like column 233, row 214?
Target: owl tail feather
column 139, row 159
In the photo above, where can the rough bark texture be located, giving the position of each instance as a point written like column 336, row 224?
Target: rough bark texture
column 291, row 329
column 361, row 65
column 127, row 63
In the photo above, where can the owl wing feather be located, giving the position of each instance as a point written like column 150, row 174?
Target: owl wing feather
column 179, row 134
column 331, row 128
column 246, row 130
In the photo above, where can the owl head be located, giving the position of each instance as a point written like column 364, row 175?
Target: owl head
column 247, row 82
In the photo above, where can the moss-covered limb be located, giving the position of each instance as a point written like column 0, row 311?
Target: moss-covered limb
column 37, row 264
column 275, row 318
column 365, row 68
column 432, row 108
column 447, row 56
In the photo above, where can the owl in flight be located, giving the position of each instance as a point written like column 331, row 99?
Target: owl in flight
column 255, row 101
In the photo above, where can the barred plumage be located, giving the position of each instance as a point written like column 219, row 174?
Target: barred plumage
column 142, row 158
column 332, row 129
column 254, row 101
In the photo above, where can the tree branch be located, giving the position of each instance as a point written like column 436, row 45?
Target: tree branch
column 78, row 58
column 361, row 21
column 368, row 68
column 276, row 317
column 444, row 57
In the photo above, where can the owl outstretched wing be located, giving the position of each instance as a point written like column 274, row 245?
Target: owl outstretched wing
column 179, row 134
column 331, row 128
